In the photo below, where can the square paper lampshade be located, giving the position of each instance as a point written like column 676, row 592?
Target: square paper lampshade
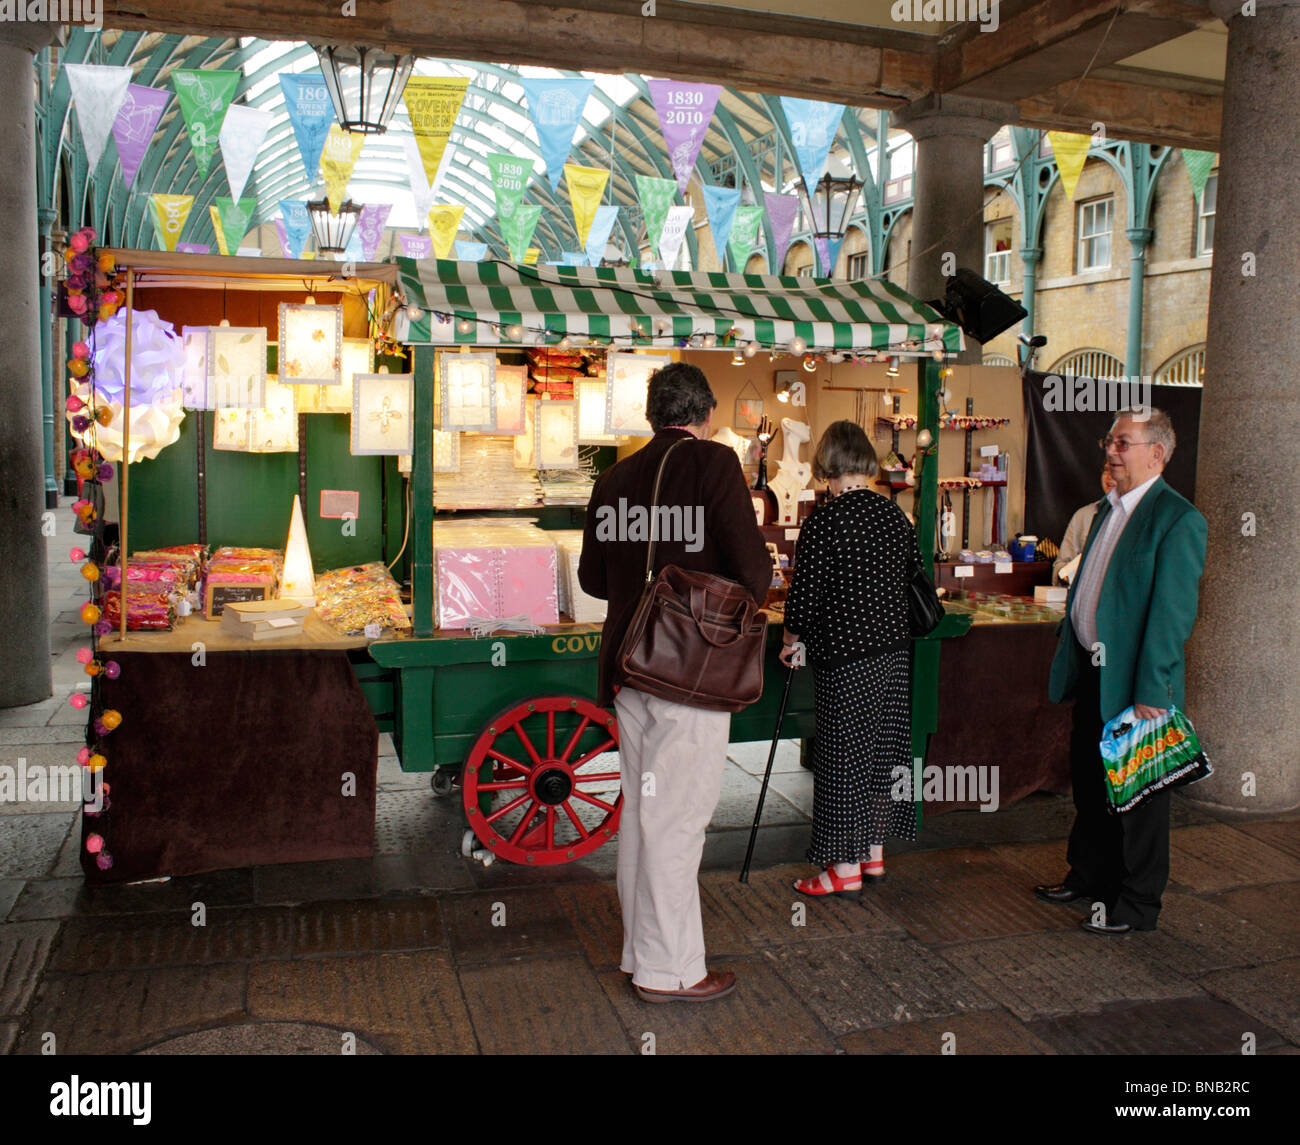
column 236, row 367
column 358, row 358
column 525, row 443
column 271, row 429
column 591, row 414
column 381, row 414
column 625, row 388
column 446, row 453
column 511, row 391
column 194, row 376
column 311, row 344
column 467, row 390
column 557, row 435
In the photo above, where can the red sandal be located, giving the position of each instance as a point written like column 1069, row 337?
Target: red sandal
column 839, row 886
column 873, row 872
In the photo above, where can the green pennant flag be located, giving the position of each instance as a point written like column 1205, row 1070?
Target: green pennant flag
column 510, row 177
column 1198, row 164
column 518, row 229
column 233, row 219
column 744, row 233
column 204, row 97
column 656, row 197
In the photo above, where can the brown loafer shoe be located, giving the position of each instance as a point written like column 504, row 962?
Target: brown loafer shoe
column 715, row 984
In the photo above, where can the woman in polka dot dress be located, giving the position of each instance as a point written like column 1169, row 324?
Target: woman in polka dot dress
column 855, row 556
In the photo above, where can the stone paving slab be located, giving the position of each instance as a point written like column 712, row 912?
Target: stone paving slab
column 29, row 844
column 739, row 800
column 10, row 889
column 1034, row 863
column 796, row 788
column 761, row 1016
column 24, row 951
column 50, row 898
column 1219, row 857
column 489, row 926
column 249, row 1038
column 410, row 821
column 1269, row 993
column 390, row 775
column 31, row 715
column 725, row 850
column 855, row 982
column 541, row 1006
column 1197, row 935
column 120, row 1011
column 1062, row 972
column 401, row 1003
column 124, row 942
column 68, row 863
column 1186, row 1026
column 1275, row 908
column 8, row 1037
column 363, row 927
column 1282, row 836
column 1037, row 817
column 213, row 889
column 751, row 756
column 22, row 736
column 977, row 1032
column 380, row 877
column 602, row 863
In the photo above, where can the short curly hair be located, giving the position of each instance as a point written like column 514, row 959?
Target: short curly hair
column 678, row 394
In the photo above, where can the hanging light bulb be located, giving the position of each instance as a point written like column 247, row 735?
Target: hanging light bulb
column 661, row 327
column 938, row 354
column 414, row 313
column 924, row 439
column 886, row 397
column 750, row 350
column 946, row 395
column 464, row 326
column 881, row 356
column 946, row 372
column 710, row 340
column 893, row 367
column 797, row 346
column 564, row 343
column 515, row 332
column 737, row 359
column 810, row 364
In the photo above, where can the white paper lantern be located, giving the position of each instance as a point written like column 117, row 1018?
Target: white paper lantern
column 467, row 392
column 625, row 392
column 525, row 451
column 358, row 358
column 557, row 435
column 236, row 367
column 381, row 414
column 271, row 429
column 511, row 394
column 311, row 344
column 591, row 414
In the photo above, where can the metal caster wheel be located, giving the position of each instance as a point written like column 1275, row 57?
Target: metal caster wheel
column 442, row 782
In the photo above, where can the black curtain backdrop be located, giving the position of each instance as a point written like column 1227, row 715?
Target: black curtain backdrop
column 1063, row 461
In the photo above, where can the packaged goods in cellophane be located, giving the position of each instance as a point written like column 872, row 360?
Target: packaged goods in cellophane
column 354, row 598
column 487, row 569
column 235, row 573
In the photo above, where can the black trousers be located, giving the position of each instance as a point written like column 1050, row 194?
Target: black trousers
column 1120, row 860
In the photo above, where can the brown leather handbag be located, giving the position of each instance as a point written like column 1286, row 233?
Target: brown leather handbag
column 696, row 638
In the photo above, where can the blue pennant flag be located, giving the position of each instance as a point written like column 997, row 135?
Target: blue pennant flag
column 598, row 237
column 307, row 100
column 812, row 131
column 721, row 204
column 470, row 252
column 555, row 106
column 297, row 224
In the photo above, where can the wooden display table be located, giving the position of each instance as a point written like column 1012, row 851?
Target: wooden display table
column 1019, row 581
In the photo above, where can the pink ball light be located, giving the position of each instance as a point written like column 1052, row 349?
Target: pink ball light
column 78, row 700
column 94, row 844
column 80, row 350
column 103, row 860
column 79, row 242
column 112, row 669
column 83, row 756
column 85, row 655
column 74, row 403
column 76, row 554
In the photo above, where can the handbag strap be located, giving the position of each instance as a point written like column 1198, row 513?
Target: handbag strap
column 654, row 503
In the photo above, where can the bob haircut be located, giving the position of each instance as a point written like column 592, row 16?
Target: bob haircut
column 678, row 394
column 844, row 449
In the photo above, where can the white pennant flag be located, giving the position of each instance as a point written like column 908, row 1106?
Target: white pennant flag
column 670, row 242
column 421, row 192
column 443, row 164
column 98, row 93
column 242, row 133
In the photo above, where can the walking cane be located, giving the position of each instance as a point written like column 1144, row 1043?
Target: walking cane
column 767, row 776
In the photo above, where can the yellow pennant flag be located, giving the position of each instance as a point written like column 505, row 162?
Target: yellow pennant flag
column 531, row 255
column 586, row 185
column 222, row 246
column 337, row 159
column 169, row 213
column 433, row 102
column 1071, row 153
column 444, row 221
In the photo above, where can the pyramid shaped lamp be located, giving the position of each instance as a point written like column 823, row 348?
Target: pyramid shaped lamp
column 297, row 582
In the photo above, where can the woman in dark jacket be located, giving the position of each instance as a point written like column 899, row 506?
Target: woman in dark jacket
column 848, row 609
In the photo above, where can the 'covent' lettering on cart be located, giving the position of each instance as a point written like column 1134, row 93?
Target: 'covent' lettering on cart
column 588, row 642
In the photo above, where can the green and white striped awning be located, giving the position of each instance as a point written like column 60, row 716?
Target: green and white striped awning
column 631, row 307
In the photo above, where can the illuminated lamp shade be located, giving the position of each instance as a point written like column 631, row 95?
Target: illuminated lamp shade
column 365, row 84
column 591, row 414
column 271, row 429
column 297, row 582
column 467, row 392
column 236, row 365
column 511, row 391
column 311, row 344
column 358, row 358
column 446, row 453
column 525, row 451
column 557, row 435
column 381, row 415
column 332, row 229
column 157, row 360
column 194, row 376
column 626, row 379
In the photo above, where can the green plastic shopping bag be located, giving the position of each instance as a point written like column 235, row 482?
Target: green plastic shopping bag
column 1142, row 757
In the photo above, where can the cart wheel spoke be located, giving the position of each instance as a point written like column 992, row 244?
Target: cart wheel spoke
column 521, row 785
column 597, row 777
column 550, row 735
column 573, row 740
column 508, row 808
column 592, row 800
column 609, row 743
column 583, row 833
column 528, row 744
column 524, row 768
column 529, row 816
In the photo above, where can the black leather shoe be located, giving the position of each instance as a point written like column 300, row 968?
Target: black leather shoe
column 1107, row 928
column 1059, row 893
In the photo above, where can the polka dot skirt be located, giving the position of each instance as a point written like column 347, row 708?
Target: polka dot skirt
column 864, row 732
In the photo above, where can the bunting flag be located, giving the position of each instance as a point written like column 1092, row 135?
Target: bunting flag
column 532, row 254
column 337, row 159
column 192, row 248
column 510, row 177
column 555, row 107
column 573, row 258
column 656, row 197
column 781, row 210
column 204, row 97
column 827, row 253
column 518, row 229
column 297, row 225
column 134, row 125
column 720, row 203
column 230, row 221
column 433, row 102
column 1198, row 164
column 353, row 252
column 169, row 213
column 670, row 239
column 444, row 222
column 598, row 236
column 283, row 235
column 307, row 100
column 470, row 252
column 241, row 137
column 219, row 230
column 447, row 156
column 98, row 93
column 370, row 228
column 415, row 246
column 744, row 234
column 1071, row 152
column 586, row 185
column 812, row 131
column 421, row 190
column 685, row 111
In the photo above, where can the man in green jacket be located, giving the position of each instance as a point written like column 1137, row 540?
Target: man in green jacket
column 1129, row 613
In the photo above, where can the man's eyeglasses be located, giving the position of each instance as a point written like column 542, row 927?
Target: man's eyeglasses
column 1121, row 444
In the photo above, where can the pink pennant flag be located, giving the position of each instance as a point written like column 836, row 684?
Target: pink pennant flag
column 685, row 110
column 370, row 226
column 285, row 249
column 134, row 125
column 781, row 210
column 416, row 246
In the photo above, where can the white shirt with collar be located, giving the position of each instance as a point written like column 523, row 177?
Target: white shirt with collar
column 1092, row 573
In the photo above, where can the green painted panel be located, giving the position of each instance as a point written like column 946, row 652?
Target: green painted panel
column 330, row 465
column 161, row 494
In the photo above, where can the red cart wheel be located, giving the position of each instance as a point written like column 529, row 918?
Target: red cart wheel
column 541, row 794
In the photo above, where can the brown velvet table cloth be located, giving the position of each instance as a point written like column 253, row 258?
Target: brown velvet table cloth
column 236, row 763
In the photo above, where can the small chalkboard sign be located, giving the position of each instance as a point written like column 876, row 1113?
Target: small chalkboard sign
column 219, row 595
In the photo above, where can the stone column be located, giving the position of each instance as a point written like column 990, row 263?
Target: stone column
column 1243, row 690
column 948, row 190
column 24, row 596
column 1139, row 238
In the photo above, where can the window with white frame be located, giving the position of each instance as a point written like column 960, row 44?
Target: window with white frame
column 998, row 154
column 1094, row 234
column 859, row 265
column 1205, row 216
column 997, row 252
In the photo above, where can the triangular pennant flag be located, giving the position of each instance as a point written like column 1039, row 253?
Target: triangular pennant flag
column 169, row 213
column 241, row 136
column 572, row 258
column 230, row 221
column 1198, row 164
column 444, row 221
column 307, row 100
column 421, row 191
column 670, row 238
column 337, row 159
column 586, row 185
column 353, row 252
column 656, row 197
column 518, row 229
column 415, row 246
column 532, row 254
column 685, row 111
column 370, row 228
column 204, row 97
column 744, row 234
column 471, row 252
column 598, row 236
column 134, row 125
column 812, row 131
column 98, row 93
column 1071, row 151
column 720, row 203
column 297, row 225
column 433, row 102
column 283, row 236
column 448, row 154
column 219, row 230
column 555, row 107
column 509, row 175
column 192, row 248
column 781, row 210
column 827, row 252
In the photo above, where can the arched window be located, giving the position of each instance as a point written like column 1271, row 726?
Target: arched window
column 1089, row 364
column 1186, row 368
column 998, row 360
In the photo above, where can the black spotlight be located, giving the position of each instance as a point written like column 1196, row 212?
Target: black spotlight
column 978, row 307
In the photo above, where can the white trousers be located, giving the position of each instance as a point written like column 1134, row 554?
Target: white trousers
column 672, row 757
